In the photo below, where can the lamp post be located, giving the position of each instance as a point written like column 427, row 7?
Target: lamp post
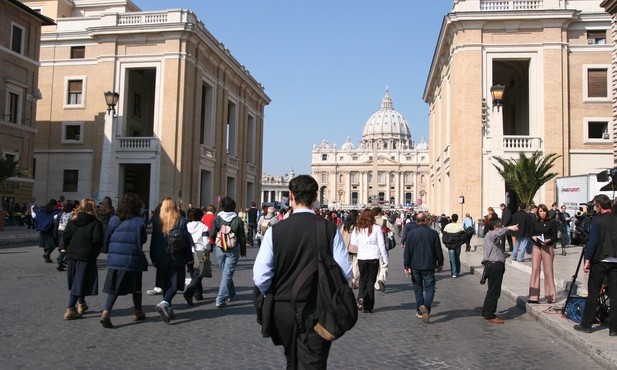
column 497, row 95
column 111, row 98
column 108, row 178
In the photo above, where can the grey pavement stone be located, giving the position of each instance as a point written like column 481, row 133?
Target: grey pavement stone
column 33, row 333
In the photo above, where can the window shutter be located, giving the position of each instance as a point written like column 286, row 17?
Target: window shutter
column 596, row 83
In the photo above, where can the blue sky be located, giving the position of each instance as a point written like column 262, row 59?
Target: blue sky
column 326, row 64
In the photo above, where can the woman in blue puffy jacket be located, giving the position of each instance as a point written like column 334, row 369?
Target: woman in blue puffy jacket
column 126, row 260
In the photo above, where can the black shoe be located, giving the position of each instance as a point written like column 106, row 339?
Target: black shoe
column 612, row 333
column 60, row 268
column 584, row 329
column 198, row 297
column 532, row 301
column 189, row 299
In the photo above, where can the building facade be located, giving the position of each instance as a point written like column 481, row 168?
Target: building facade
column 276, row 188
column 387, row 168
column 554, row 60
column 610, row 7
column 20, row 39
column 189, row 117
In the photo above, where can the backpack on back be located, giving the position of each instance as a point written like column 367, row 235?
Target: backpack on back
column 336, row 310
column 264, row 225
column 64, row 219
column 226, row 238
column 176, row 241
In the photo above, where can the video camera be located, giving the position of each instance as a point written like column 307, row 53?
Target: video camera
column 582, row 223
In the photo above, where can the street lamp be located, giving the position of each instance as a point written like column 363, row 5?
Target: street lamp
column 111, row 98
column 497, row 94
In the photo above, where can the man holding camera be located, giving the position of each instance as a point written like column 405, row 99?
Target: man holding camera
column 601, row 262
column 494, row 267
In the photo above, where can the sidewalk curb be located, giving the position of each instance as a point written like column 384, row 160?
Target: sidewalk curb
column 603, row 358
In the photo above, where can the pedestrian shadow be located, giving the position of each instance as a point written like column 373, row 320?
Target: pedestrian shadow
column 445, row 316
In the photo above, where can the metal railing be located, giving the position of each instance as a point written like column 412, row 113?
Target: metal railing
column 492, row 5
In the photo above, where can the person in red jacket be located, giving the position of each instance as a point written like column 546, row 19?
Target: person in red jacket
column 208, row 220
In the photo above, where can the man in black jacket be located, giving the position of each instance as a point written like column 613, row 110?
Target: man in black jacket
column 251, row 223
column 422, row 256
column 600, row 262
column 523, row 234
column 506, row 220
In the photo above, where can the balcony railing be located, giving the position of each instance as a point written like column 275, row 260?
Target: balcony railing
column 522, row 143
column 493, row 5
column 137, row 144
column 207, row 152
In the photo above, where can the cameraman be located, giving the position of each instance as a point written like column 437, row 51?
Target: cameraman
column 601, row 261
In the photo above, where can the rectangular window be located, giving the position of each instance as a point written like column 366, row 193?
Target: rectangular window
column 597, row 130
column 69, row 181
column 597, row 86
column 596, row 37
column 207, row 103
column 13, row 107
column 72, row 132
column 75, row 92
column 231, row 128
column 78, row 52
column 17, row 39
column 250, row 155
column 324, row 157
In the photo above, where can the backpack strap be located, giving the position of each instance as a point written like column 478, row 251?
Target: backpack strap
column 307, row 273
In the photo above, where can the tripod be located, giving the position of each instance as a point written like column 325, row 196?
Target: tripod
column 578, row 267
column 602, row 309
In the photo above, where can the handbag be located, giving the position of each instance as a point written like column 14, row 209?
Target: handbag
column 202, row 263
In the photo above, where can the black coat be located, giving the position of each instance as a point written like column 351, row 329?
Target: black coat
column 454, row 240
column 83, row 237
column 524, row 222
column 161, row 259
column 423, row 249
column 548, row 228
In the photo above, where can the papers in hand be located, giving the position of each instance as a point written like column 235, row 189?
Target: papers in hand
column 541, row 238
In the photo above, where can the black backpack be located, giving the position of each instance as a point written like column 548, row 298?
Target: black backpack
column 336, row 309
column 176, row 241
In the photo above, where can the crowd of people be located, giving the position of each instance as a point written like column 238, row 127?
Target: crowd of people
column 184, row 243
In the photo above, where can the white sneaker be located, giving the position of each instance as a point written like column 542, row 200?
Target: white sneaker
column 155, row 291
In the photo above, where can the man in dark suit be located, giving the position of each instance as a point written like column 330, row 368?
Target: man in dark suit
column 251, row 223
column 422, row 256
column 286, row 249
column 601, row 263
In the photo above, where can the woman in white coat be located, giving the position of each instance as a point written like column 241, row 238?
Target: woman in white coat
column 369, row 240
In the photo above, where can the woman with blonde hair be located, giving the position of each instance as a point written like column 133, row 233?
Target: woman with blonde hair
column 83, row 238
column 170, row 264
column 368, row 237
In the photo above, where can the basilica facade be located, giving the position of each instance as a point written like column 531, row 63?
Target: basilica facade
column 387, row 168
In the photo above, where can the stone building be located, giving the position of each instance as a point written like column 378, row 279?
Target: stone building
column 553, row 58
column 20, row 39
column 387, row 167
column 276, row 188
column 611, row 8
column 188, row 117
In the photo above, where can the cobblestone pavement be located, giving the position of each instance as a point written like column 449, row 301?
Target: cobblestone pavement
column 33, row 333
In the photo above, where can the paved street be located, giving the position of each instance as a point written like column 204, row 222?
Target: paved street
column 34, row 334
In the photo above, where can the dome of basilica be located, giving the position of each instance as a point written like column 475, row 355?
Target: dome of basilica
column 386, row 123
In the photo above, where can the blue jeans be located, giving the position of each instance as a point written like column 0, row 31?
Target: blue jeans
column 227, row 263
column 455, row 260
column 423, row 287
column 521, row 245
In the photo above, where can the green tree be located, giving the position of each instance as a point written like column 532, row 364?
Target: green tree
column 8, row 168
column 526, row 175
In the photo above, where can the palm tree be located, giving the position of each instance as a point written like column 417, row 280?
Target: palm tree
column 527, row 174
column 8, row 168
